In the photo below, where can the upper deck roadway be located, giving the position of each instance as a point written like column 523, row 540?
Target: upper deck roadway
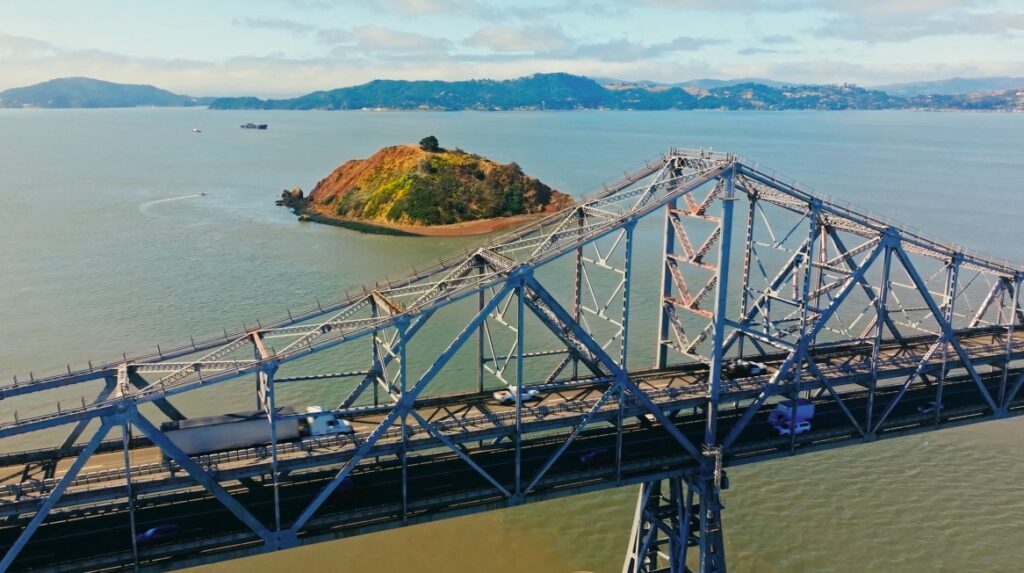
column 597, row 424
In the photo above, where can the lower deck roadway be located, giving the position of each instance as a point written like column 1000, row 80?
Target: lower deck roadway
column 442, row 484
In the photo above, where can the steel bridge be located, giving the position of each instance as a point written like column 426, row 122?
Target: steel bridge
column 886, row 330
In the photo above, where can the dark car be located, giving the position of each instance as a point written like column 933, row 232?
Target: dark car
column 598, row 457
column 742, row 368
column 158, row 533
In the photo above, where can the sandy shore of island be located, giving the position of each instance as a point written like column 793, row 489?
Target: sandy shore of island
column 465, row 229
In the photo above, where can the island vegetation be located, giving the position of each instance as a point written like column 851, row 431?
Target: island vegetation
column 425, row 189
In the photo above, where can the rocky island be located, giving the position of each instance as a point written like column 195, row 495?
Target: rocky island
column 426, row 190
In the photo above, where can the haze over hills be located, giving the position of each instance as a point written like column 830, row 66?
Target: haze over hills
column 953, row 86
column 90, row 93
column 554, row 91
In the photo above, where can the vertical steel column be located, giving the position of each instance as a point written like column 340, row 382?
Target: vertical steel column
column 712, row 548
column 798, row 370
column 728, row 198
column 577, row 304
column 401, row 325
column 480, row 334
column 520, row 315
column 125, row 442
column 1014, row 307
column 748, row 253
column 952, row 280
column 627, row 274
column 661, row 352
column 268, row 373
column 881, row 315
column 663, row 528
column 375, row 367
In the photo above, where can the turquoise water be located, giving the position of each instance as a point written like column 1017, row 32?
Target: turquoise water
column 107, row 245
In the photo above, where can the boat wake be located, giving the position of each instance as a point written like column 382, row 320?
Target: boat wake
column 147, row 207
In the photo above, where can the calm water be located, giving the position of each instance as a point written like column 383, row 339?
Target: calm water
column 106, row 246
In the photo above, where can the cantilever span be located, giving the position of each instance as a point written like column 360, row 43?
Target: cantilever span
column 884, row 330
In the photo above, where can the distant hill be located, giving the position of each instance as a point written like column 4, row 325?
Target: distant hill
column 88, row 92
column 411, row 189
column 565, row 91
column 703, row 84
column 953, row 86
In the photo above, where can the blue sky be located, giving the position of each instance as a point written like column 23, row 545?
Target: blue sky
column 285, row 47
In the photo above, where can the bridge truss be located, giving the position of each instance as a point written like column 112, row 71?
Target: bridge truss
column 846, row 307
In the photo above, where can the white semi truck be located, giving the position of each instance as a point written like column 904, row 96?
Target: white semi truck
column 246, row 429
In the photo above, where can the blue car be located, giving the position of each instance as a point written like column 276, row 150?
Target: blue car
column 158, row 533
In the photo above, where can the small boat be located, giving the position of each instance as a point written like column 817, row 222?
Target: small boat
column 196, row 129
column 202, row 193
column 251, row 125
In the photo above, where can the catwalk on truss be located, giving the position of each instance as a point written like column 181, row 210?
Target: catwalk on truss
column 885, row 330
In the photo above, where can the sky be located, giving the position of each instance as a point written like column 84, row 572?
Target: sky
column 290, row 47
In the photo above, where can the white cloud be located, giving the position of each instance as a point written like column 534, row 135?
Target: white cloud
column 889, row 28
column 515, row 39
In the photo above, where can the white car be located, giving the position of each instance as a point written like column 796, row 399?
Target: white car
column 928, row 408
column 509, row 396
column 801, row 427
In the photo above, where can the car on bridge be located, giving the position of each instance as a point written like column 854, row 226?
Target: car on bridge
column 506, row 397
column 801, row 427
column 929, row 408
column 159, row 533
column 739, row 368
column 597, row 457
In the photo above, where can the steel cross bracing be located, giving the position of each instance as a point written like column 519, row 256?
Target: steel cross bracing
column 864, row 317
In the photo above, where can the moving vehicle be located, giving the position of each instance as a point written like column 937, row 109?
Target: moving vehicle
column 782, row 417
column 801, row 427
column 320, row 423
column 507, row 397
column 739, row 368
column 247, row 429
column 597, row 457
column 158, row 533
column 929, row 408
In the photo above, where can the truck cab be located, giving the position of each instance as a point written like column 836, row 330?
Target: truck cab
column 320, row 423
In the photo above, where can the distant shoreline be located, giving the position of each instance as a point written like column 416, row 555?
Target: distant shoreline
column 522, row 110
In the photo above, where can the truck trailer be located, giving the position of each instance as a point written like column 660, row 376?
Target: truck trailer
column 229, row 431
column 782, row 417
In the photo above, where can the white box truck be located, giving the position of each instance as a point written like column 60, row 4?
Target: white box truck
column 782, row 417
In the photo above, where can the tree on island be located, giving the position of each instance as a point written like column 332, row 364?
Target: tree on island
column 430, row 144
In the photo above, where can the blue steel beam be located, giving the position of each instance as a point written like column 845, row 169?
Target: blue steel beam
column 204, row 479
column 801, row 349
column 947, row 329
column 406, row 403
column 620, row 375
column 55, row 495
